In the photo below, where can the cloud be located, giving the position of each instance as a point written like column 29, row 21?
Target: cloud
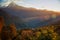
column 4, row 3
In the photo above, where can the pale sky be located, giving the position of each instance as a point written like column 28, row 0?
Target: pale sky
column 40, row 4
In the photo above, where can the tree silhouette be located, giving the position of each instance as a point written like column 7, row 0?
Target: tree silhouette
column 5, row 35
column 13, row 31
column 1, row 23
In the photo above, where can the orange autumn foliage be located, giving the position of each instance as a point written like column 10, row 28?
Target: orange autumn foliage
column 13, row 31
column 1, row 23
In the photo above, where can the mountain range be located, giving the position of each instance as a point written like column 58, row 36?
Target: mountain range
column 28, row 17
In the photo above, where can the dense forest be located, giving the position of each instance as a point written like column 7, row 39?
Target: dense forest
column 49, row 32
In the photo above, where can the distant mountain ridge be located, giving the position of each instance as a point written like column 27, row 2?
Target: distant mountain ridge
column 29, row 17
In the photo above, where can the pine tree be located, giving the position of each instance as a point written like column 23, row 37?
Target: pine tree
column 13, row 32
column 5, row 34
column 1, row 23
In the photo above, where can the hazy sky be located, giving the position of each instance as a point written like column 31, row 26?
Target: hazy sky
column 39, row 4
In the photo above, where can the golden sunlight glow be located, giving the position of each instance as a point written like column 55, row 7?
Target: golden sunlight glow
column 47, row 5
column 40, row 4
